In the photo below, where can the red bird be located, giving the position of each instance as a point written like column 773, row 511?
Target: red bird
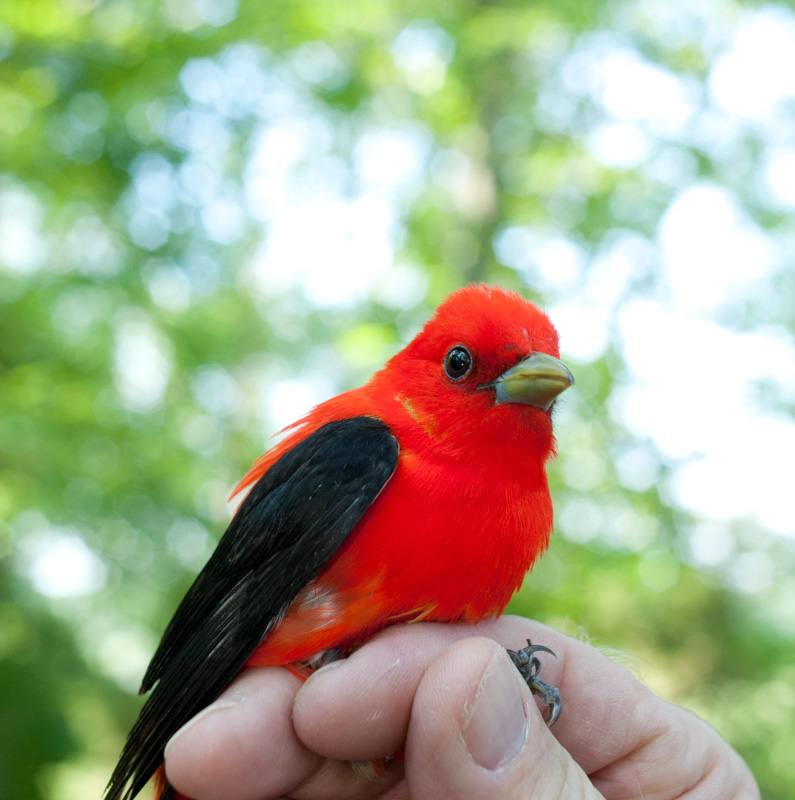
column 421, row 495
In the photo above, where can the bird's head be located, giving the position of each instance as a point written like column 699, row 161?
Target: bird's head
column 485, row 365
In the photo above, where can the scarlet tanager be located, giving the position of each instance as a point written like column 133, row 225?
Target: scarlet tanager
column 421, row 495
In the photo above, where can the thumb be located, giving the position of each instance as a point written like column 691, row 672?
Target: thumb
column 476, row 732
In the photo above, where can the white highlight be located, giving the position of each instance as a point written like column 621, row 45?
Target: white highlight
column 778, row 178
column 694, row 394
column 710, row 249
column 634, row 89
column 757, row 73
column 422, row 50
column 60, row 564
column 333, row 250
column 22, row 247
column 142, row 365
column 289, row 400
column 619, row 144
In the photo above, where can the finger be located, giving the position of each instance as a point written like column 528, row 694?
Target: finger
column 370, row 694
column 243, row 746
column 627, row 739
column 475, row 732
column 346, row 780
column 683, row 757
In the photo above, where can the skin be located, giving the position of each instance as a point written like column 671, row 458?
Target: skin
column 449, row 698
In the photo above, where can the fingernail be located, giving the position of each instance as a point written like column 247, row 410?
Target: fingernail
column 228, row 702
column 495, row 727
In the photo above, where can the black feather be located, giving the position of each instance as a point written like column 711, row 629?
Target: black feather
column 291, row 523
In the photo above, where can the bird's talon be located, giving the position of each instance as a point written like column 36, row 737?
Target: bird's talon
column 550, row 697
column 529, row 666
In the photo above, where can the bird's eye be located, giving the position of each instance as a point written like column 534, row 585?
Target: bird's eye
column 457, row 362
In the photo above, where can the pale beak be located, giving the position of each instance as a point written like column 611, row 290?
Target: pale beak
column 536, row 381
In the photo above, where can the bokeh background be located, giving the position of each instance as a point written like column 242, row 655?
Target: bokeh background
column 214, row 214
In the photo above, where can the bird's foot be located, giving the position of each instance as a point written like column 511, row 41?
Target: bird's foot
column 528, row 664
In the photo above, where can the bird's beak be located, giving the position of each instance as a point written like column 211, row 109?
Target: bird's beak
column 536, row 381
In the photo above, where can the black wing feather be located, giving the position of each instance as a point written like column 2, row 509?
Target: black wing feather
column 288, row 527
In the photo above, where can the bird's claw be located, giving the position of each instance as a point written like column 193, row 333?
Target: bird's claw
column 529, row 666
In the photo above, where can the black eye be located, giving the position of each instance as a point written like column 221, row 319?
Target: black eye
column 457, row 362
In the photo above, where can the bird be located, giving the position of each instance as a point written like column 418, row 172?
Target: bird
column 421, row 495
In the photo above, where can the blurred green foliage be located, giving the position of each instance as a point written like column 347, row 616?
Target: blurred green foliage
column 214, row 214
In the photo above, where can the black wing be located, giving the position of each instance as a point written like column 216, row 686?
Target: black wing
column 291, row 523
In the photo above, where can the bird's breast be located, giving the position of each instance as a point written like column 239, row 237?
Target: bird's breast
column 442, row 542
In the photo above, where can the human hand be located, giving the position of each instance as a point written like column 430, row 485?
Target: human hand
column 469, row 728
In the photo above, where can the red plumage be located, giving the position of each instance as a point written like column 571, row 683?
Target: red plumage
column 467, row 511
column 452, row 533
